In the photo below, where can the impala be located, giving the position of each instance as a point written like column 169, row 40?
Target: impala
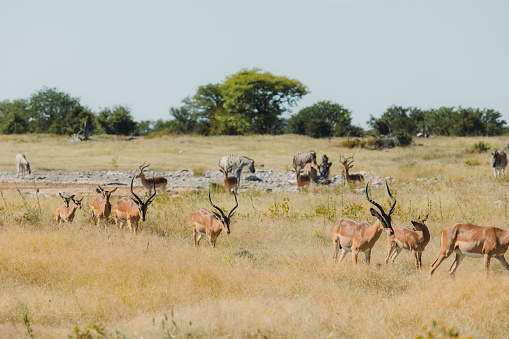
column 355, row 237
column 313, row 171
column 467, row 240
column 302, row 179
column 212, row 223
column 101, row 207
column 230, row 183
column 409, row 240
column 131, row 209
column 66, row 199
column 66, row 214
column 346, row 165
column 158, row 182
column 236, row 161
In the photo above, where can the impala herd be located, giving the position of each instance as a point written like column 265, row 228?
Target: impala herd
column 347, row 235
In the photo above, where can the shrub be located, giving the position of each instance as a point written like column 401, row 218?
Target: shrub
column 480, row 147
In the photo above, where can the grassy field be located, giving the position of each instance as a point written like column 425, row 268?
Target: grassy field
column 273, row 276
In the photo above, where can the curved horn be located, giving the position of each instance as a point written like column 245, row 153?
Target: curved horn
column 137, row 197
column 153, row 195
column 392, row 198
column 142, row 167
column 373, row 202
column 236, row 205
column 216, row 206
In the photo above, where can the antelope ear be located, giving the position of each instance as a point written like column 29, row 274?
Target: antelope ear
column 114, row 190
column 375, row 213
column 148, row 203
column 413, row 223
column 425, row 218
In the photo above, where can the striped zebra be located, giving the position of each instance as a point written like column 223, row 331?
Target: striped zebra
column 498, row 162
column 235, row 163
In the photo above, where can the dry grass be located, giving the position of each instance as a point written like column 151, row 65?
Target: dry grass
column 273, row 276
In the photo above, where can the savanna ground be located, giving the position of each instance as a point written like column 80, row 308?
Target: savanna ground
column 273, row 276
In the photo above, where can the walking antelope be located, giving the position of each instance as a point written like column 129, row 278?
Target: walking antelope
column 131, row 209
column 355, row 237
column 229, row 183
column 467, row 240
column 236, row 162
column 158, row 182
column 346, row 165
column 66, row 214
column 302, row 179
column 498, row 162
column 301, row 159
column 409, row 240
column 212, row 223
column 22, row 165
column 101, row 207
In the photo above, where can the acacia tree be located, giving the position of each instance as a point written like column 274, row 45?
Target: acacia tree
column 255, row 100
column 117, row 120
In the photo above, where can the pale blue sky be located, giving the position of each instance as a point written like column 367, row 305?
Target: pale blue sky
column 365, row 55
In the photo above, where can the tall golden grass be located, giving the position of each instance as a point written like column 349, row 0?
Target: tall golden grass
column 273, row 276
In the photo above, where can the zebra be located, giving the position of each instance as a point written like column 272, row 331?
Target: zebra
column 235, row 163
column 301, row 159
column 498, row 162
column 22, row 165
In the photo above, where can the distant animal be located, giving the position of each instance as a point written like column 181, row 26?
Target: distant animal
column 498, row 162
column 236, row 162
column 302, row 179
column 301, row 159
column 325, row 168
column 101, row 207
column 346, row 165
column 66, row 214
column 230, row 183
column 22, row 165
column 409, row 240
column 355, row 237
column 467, row 240
column 210, row 224
column 313, row 171
column 131, row 209
column 158, row 182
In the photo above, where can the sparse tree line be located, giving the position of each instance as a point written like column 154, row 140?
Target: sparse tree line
column 247, row 102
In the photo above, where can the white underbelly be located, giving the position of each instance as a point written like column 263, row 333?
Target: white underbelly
column 468, row 254
column 348, row 249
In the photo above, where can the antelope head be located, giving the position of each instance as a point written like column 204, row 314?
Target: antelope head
column 77, row 202
column 385, row 218
column 225, row 219
column 142, row 206
column 66, row 200
column 418, row 224
column 142, row 167
column 347, row 163
column 106, row 194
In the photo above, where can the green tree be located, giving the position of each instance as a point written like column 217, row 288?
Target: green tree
column 14, row 117
column 80, row 119
column 49, row 109
column 323, row 119
column 117, row 120
column 255, row 100
column 396, row 119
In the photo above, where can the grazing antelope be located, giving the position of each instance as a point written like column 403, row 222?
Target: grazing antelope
column 302, row 179
column 66, row 214
column 355, row 237
column 236, row 162
column 498, row 162
column 313, row 171
column 409, row 240
column 158, row 182
column 301, row 159
column 467, row 240
column 101, row 207
column 22, row 165
column 229, row 183
column 346, row 165
column 212, row 223
column 131, row 209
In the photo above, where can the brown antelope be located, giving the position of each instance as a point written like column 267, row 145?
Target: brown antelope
column 229, row 183
column 467, row 240
column 66, row 199
column 346, row 165
column 131, row 209
column 158, row 182
column 409, row 240
column 302, row 179
column 66, row 214
column 355, row 237
column 211, row 224
column 101, row 207
column 312, row 171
